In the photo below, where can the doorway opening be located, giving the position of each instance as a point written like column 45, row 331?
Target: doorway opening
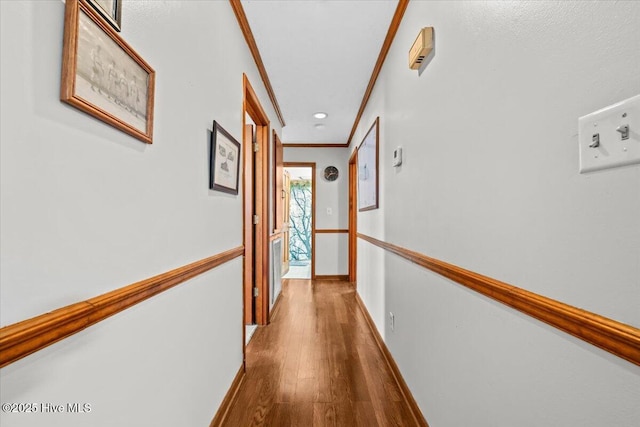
column 299, row 230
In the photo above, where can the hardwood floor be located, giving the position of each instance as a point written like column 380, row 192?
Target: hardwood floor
column 317, row 364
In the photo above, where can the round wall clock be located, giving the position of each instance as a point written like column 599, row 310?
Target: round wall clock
column 331, row 173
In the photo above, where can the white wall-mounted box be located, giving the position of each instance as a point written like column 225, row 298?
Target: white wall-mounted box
column 421, row 48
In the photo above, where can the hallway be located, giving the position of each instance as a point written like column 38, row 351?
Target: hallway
column 317, row 364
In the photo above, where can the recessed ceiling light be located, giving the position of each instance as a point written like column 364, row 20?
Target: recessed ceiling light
column 319, row 126
column 320, row 115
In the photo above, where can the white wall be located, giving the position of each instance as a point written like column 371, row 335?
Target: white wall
column 490, row 183
column 370, row 274
column 87, row 209
column 332, row 254
column 370, row 278
column 167, row 361
column 332, row 250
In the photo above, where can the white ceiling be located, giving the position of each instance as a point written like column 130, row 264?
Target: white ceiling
column 319, row 55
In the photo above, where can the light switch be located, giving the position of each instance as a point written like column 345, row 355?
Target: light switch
column 610, row 137
column 397, row 157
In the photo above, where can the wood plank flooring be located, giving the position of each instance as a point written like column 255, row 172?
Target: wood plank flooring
column 317, row 364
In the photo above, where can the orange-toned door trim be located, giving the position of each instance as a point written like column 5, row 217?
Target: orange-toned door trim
column 248, row 256
column 311, row 165
column 258, row 204
column 353, row 216
column 286, row 189
column 247, row 204
column 278, row 197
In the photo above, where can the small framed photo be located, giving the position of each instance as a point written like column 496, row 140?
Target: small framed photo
column 368, row 169
column 103, row 76
column 111, row 10
column 224, row 161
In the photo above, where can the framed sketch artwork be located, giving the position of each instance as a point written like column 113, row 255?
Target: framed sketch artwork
column 368, row 169
column 224, row 162
column 103, row 76
column 111, row 10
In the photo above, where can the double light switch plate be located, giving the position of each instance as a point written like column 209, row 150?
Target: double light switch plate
column 610, row 137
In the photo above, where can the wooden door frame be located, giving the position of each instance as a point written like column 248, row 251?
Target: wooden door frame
column 251, row 106
column 286, row 188
column 311, row 165
column 277, row 164
column 353, row 216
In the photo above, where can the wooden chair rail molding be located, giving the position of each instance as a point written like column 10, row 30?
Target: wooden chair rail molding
column 610, row 335
column 26, row 337
column 331, row 230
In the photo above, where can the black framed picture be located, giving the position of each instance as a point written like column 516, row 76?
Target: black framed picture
column 224, row 161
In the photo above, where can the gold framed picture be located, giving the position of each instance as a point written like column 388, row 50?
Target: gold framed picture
column 103, row 76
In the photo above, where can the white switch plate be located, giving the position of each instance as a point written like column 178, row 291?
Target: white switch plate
column 613, row 151
column 397, row 157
